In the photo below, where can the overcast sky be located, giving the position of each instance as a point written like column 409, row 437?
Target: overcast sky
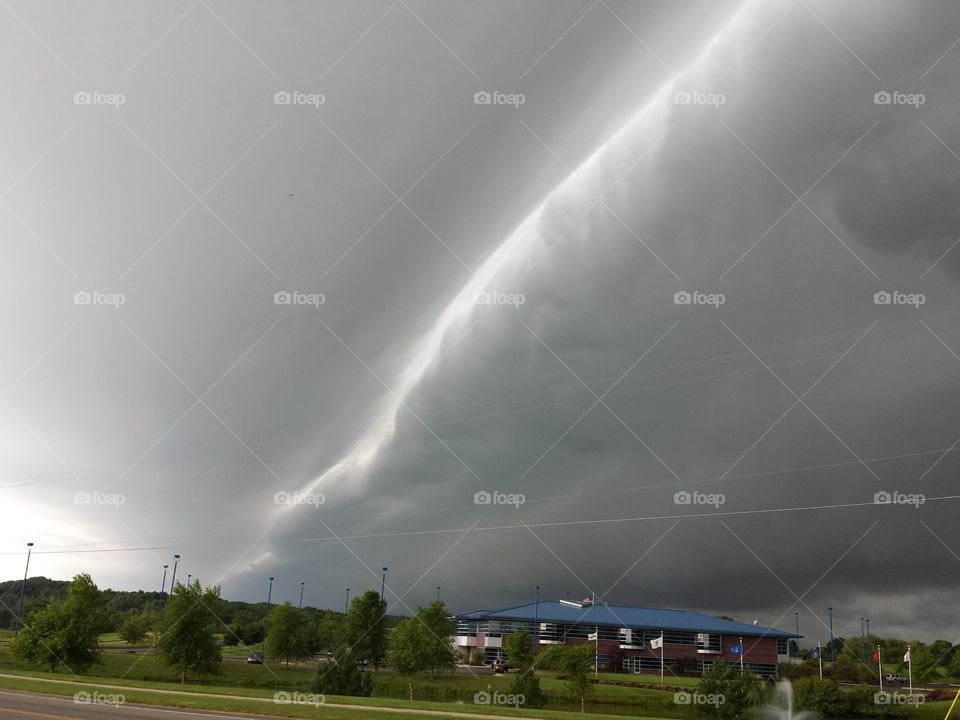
column 487, row 297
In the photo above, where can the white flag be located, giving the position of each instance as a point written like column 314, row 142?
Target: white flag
column 906, row 657
column 656, row 643
column 592, row 636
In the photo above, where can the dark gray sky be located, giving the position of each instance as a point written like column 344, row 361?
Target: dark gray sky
column 499, row 312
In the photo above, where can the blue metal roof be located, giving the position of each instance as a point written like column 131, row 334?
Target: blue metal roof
column 622, row 616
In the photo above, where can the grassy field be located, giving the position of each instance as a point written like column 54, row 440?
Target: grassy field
column 261, row 702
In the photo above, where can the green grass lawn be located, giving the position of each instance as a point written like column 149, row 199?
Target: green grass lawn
column 261, row 702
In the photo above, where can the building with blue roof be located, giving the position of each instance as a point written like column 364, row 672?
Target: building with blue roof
column 623, row 636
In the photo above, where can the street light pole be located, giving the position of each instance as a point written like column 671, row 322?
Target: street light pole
column 438, row 593
column 264, row 641
column 796, row 618
column 188, row 579
column 862, row 639
column 536, row 622
column 833, row 649
column 301, row 595
column 173, row 580
column 163, row 585
column 383, row 582
column 346, row 602
column 23, row 587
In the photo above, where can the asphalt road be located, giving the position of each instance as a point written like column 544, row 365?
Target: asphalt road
column 30, row 706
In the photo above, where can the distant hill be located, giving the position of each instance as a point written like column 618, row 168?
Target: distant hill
column 41, row 590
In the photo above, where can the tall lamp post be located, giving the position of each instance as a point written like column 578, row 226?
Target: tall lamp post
column 264, row 641
column 536, row 622
column 796, row 618
column 301, row 595
column 173, row 580
column 438, row 593
column 346, row 602
column 833, row 649
column 188, row 579
column 23, row 587
column 383, row 582
column 163, row 585
column 862, row 639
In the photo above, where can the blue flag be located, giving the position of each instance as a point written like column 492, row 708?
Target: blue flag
column 815, row 653
column 736, row 649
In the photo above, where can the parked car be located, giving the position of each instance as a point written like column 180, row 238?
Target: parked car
column 893, row 678
column 255, row 659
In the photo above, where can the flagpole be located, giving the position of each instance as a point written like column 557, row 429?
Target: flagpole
column 910, row 667
column 661, row 658
column 596, row 653
column 880, row 666
column 820, row 658
column 741, row 654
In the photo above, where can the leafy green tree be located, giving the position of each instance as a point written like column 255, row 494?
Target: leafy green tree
column 822, row 696
column 287, row 637
column 741, row 691
column 519, row 647
column 342, row 675
column 924, row 663
column 326, row 631
column 365, row 628
column 66, row 631
column 421, row 644
column 574, row 663
column 408, row 653
column 137, row 624
column 527, row 684
column 440, row 627
column 188, row 628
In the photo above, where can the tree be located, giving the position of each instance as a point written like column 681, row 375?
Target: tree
column 365, row 628
column 440, row 627
column 519, row 649
column 137, row 624
column 421, row 644
column 188, row 630
column 326, row 631
column 286, row 634
column 342, row 675
column 740, row 691
column 574, row 663
column 66, row 631
column 822, row 696
column 527, row 685
column 407, row 654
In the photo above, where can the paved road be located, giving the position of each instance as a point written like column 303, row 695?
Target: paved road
column 30, row 706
